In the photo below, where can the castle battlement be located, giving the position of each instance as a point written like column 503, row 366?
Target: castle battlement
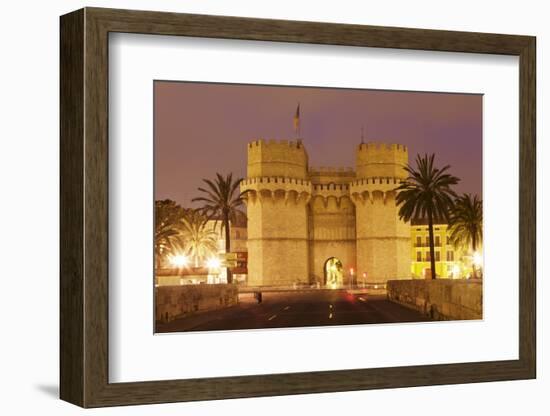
column 381, row 160
column 330, row 170
column 326, row 175
column 380, row 146
column 274, row 180
column 275, row 143
column 331, row 187
column 277, row 158
column 377, row 180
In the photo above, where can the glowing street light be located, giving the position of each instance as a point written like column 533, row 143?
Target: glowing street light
column 179, row 260
column 478, row 259
column 456, row 271
column 213, row 263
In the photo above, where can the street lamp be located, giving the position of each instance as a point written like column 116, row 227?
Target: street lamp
column 213, row 263
column 456, row 271
column 179, row 260
column 477, row 259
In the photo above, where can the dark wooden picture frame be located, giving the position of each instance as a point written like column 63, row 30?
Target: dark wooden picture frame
column 84, row 207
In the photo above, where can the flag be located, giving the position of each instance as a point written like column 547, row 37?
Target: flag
column 297, row 120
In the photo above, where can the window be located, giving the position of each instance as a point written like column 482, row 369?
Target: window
column 437, row 256
column 450, row 256
column 428, row 258
column 418, row 256
column 428, row 240
column 418, row 241
column 437, row 241
column 448, row 240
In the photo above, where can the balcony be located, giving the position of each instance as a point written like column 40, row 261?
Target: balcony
column 427, row 245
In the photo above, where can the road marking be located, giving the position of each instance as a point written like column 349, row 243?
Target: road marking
column 330, row 316
column 273, row 317
column 362, row 299
column 286, row 308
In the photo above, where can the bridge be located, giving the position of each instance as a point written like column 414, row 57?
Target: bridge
column 306, row 307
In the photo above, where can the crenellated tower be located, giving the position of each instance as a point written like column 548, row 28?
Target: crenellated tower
column 278, row 193
column 383, row 241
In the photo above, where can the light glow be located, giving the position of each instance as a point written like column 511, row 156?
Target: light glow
column 478, row 259
column 179, row 260
column 456, row 271
column 213, row 263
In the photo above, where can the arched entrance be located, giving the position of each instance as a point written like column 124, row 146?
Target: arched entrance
column 334, row 272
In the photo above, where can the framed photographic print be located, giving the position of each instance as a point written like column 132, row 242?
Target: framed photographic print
column 255, row 207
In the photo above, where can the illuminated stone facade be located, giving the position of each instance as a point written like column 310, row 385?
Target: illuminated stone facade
column 299, row 217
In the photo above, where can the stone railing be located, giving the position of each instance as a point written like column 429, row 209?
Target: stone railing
column 440, row 299
column 172, row 302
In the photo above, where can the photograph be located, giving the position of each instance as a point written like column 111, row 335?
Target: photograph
column 307, row 206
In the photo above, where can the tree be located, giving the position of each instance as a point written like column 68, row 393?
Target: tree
column 466, row 223
column 222, row 200
column 168, row 239
column 426, row 194
column 200, row 242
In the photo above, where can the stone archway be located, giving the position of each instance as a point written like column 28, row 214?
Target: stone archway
column 333, row 272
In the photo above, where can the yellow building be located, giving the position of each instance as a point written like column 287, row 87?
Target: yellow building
column 450, row 263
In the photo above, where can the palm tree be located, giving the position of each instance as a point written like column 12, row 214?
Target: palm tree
column 222, row 200
column 426, row 194
column 200, row 242
column 466, row 223
column 168, row 240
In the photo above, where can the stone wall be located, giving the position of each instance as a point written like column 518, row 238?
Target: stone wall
column 441, row 299
column 173, row 302
column 277, row 236
column 383, row 240
column 180, row 280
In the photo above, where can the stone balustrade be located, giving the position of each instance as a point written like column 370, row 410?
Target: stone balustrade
column 174, row 302
column 440, row 299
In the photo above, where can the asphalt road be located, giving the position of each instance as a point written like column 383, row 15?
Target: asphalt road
column 297, row 309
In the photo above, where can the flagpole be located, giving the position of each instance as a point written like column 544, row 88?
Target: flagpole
column 297, row 123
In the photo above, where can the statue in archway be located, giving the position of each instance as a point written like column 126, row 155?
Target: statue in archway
column 333, row 272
